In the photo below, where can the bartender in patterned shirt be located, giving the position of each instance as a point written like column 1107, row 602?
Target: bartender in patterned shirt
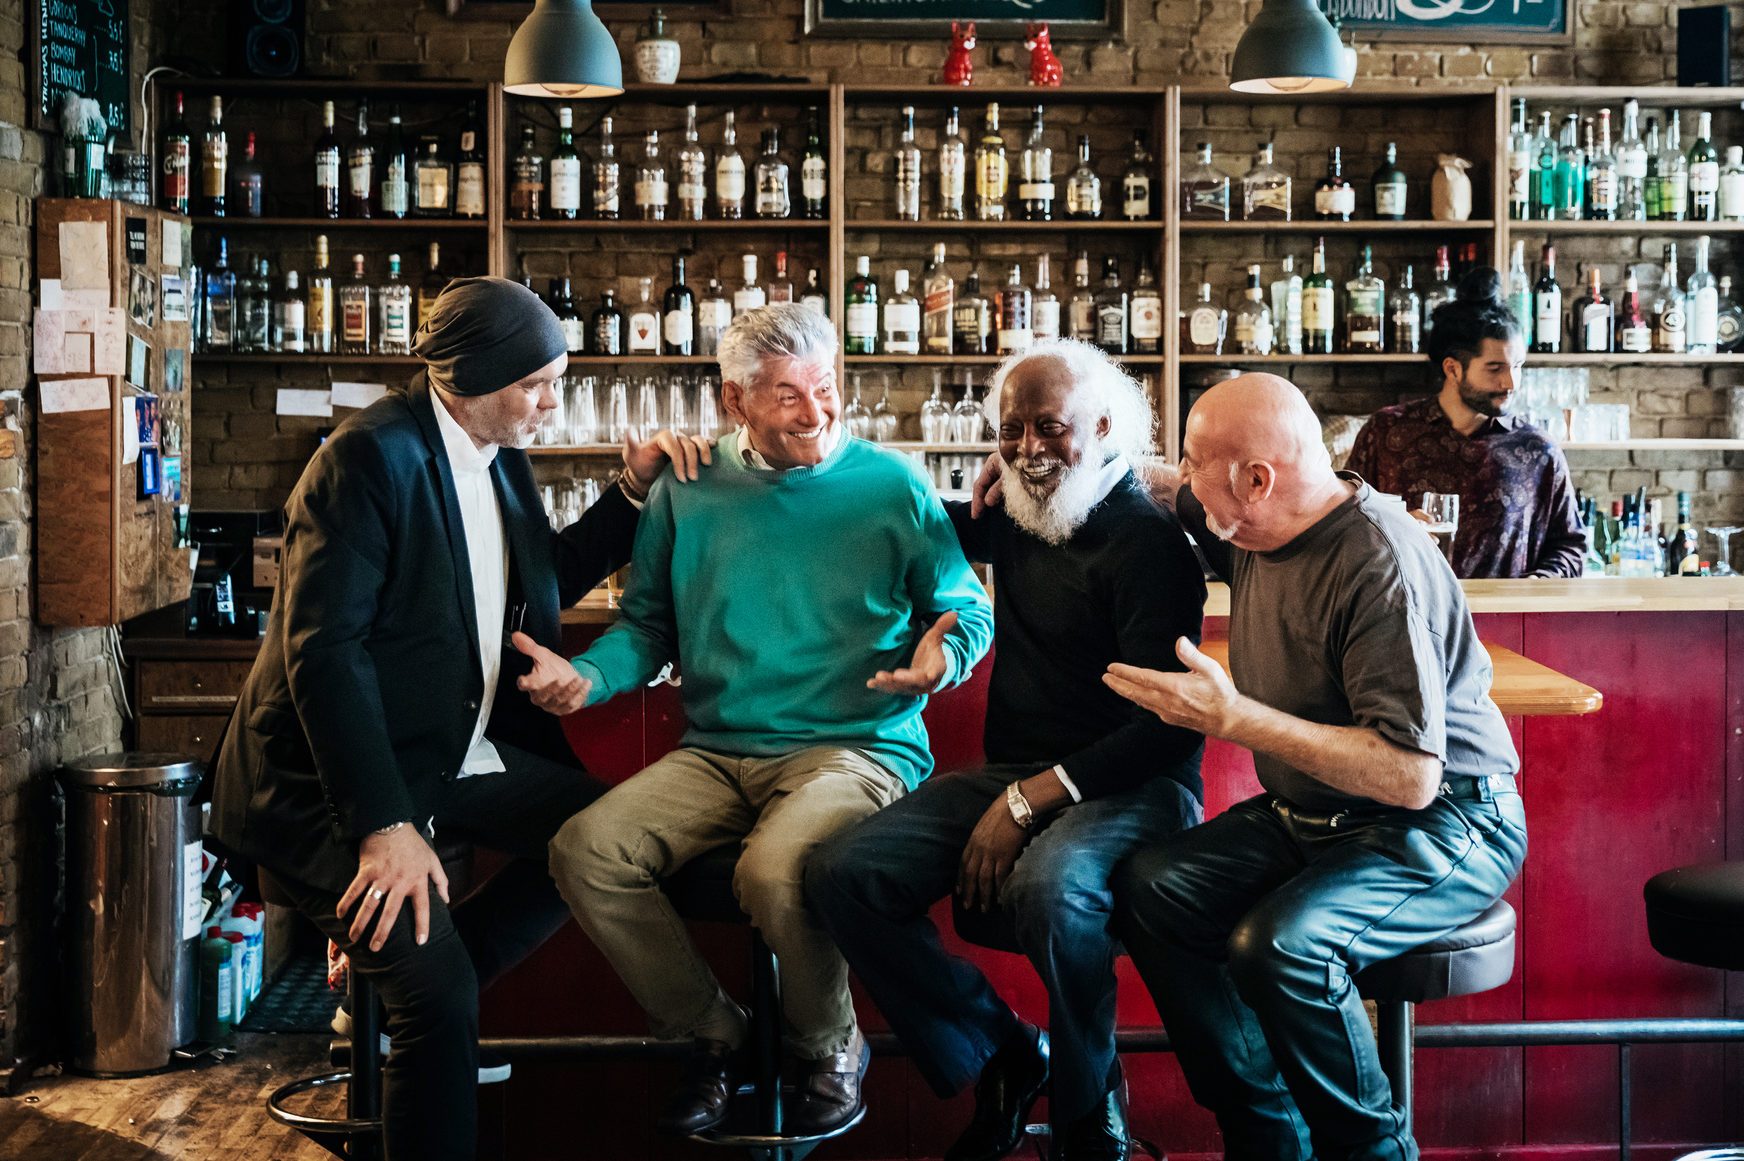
column 1517, row 512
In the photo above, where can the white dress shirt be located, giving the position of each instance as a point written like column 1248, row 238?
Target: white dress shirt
column 488, row 553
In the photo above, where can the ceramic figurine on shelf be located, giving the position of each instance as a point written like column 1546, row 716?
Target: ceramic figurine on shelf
column 1044, row 66
column 959, row 66
column 657, row 54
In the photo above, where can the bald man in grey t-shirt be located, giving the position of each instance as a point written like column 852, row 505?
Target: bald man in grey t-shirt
column 1390, row 815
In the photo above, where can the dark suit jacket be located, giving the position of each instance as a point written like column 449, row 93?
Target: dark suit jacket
column 364, row 695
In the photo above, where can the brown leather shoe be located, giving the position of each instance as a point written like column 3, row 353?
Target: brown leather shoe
column 704, row 1092
column 830, row 1096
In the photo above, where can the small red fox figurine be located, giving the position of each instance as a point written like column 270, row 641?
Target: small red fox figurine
column 1044, row 66
column 959, row 67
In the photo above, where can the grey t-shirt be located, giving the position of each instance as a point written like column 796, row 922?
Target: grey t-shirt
column 1359, row 621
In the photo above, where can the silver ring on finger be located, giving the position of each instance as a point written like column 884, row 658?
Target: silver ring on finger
column 377, row 894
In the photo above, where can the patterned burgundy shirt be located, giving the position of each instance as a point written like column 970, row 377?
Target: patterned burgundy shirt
column 1517, row 514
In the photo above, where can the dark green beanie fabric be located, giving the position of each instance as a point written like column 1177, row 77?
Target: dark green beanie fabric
column 483, row 334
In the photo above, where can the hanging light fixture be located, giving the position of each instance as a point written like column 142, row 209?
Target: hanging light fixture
column 1291, row 48
column 563, row 51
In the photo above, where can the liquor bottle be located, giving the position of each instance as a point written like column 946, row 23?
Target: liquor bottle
column 1519, row 165
column 1390, row 187
column 290, row 318
column 1547, row 306
column 214, row 162
column 560, row 297
column 1519, row 294
column 862, row 302
column 1205, row 189
column 248, row 188
column 1731, row 198
column 254, row 328
column 565, row 195
column 1405, row 317
column 644, row 332
column 1136, row 187
column 972, row 318
column 1651, row 186
column 327, row 166
column 221, row 302
column 1544, row 171
column 178, row 147
column 1081, row 308
column 1265, row 190
column 1253, row 318
column 608, row 325
column 1035, row 174
column 1634, row 328
column 1681, row 550
column 1592, row 322
column 1571, row 174
column 1044, row 306
column 527, row 195
column 1084, row 187
column 360, row 169
column 730, row 174
column 1365, row 309
column 814, row 172
column 749, row 294
column 1670, row 315
column 1146, row 326
column 434, row 281
column 939, row 291
column 1602, row 175
column 1318, row 309
column 321, row 305
column 1202, row 331
column 693, row 170
column 356, row 318
column 1334, row 197
column 1287, row 308
column 394, row 170
column 992, row 171
column 678, row 310
column 394, row 299
column 469, row 168
column 780, row 287
column 608, row 177
column 652, row 192
column 433, row 184
column 1704, row 173
column 901, row 319
column 1673, row 175
column 773, row 197
column 1112, row 332
column 1631, row 167
column 814, row 295
column 907, row 170
column 1701, row 305
column 1728, row 319
column 953, row 169
column 714, row 313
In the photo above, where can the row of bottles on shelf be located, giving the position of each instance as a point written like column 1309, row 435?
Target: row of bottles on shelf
column 1634, row 540
column 1265, row 191
column 1697, row 316
column 1577, row 176
column 390, row 177
column 566, row 185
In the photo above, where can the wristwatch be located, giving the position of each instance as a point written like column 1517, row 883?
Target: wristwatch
column 1021, row 813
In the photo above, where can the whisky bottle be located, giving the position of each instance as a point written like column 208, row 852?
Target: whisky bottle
column 569, row 320
column 608, row 177
column 394, row 300
column 608, row 325
column 1081, row 308
column 565, row 169
column 1318, row 308
column 992, row 172
column 433, row 187
column 1265, row 190
column 1202, row 331
column 360, row 169
column 773, row 197
column 1334, row 197
column 1205, row 189
column 356, row 318
column 527, row 194
column 953, row 169
column 1146, row 326
column 814, row 174
column 940, row 299
column 1112, row 333
column 1084, row 187
column 901, row 319
column 1045, row 307
column 469, row 168
column 1035, row 185
column 320, row 315
column 214, row 162
column 1390, row 187
column 652, row 192
column 1136, row 201
column 326, row 165
column 394, row 169
column 1592, row 322
column 1016, row 331
column 1254, row 333
column 973, row 319
column 1405, row 317
column 907, row 170
column 1634, row 327
column 692, row 171
column 433, row 283
column 730, row 174
column 781, row 286
column 714, row 313
column 1365, row 309
column 862, row 302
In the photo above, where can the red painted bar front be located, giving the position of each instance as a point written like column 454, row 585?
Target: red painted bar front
column 1653, row 780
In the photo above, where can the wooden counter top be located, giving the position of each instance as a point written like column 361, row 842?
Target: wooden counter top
column 1596, row 595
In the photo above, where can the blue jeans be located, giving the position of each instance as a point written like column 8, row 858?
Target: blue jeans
column 871, row 885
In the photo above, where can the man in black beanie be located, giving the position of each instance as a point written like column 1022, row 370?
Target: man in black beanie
column 407, row 684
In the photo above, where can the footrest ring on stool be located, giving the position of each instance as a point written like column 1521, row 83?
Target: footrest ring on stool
column 778, row 1141
column 1726, row 1153
column 344, row 1126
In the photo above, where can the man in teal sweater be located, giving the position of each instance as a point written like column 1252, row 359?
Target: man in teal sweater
column 794, row 583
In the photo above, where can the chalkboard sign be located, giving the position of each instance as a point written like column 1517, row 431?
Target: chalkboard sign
column 1473, row 21
column 1066, row 19
column 83, row 47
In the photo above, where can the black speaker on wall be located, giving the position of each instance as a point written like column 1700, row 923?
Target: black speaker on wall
column 1704, row 46
column 266, row 37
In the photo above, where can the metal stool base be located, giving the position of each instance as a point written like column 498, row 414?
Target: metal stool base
column 774, row 1147
column 1726, row 1153
column 334, row 1134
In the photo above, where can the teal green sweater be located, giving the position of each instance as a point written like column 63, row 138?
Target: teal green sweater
column 779, row 593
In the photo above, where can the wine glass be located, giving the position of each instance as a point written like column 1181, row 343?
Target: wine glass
column 1442, row 508
column 857, row 418
column 618, row 410
column 886, row 424
column 584, row 412
column 647, row 407
column 935, row 413
column 678, row 405
column 1723, row 549
column 708, row 411
column 968, row 424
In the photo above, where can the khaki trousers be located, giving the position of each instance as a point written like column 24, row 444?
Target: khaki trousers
column 610, row 859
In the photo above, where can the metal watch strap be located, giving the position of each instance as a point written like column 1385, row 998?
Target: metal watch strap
column 1021, row 812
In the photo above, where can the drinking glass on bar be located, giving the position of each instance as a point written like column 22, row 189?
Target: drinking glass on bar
column 678, row 405
column 647, row 408
column 584, row 412
column 708, row 412
column 1723, row 549
column 1442, row 508
column 618, row 411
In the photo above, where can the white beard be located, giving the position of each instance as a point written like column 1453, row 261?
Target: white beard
column 1222, row 531
column 1055, row 518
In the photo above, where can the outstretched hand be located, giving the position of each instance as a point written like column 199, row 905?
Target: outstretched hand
column 1203, row 699
column 553, row 685
column 926, row 672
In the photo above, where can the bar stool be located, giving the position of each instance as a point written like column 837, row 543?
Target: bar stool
column 703, row 892
column 1696, row 915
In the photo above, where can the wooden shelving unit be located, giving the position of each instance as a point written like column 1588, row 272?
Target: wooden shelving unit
column 1310, row 226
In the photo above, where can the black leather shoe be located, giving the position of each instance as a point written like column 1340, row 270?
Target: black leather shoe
column 1011, row 1082
column 700, row 1099
column 830, row 1096
column 1099, row 1135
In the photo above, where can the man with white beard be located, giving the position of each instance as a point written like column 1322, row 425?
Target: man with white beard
column 1088, row 570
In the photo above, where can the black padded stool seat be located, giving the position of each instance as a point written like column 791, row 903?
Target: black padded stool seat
column 989, row 929
column 702, row 890
column 1696, row 914
column 1473, row 958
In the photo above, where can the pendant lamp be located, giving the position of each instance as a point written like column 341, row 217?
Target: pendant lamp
column 1291, row 48
column 563, row 51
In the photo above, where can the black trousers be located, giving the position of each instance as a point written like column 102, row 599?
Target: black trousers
column 429, row 1104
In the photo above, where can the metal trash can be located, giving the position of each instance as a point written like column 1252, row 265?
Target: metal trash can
column 133, row 908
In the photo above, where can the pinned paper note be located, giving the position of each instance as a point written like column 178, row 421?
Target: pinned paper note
column 172, row 244
column 49, row 292
column 138, row 362
column 304, row 401
column 357, row 394
column 129, row 430
column 49, row 343
column 175, row 302
column 110, row 331
column 76, row 354
column 74, row 395
column 84, row 255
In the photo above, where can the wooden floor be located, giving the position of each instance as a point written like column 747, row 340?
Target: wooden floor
column 191, row 1114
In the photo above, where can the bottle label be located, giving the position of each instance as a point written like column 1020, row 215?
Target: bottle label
column 1035, row 191
column 693, row 180
column 321, row 309
column 1111, row 326
column 1732, row 195
column 1673, row 193
column 574, row 334
column 714, row 315
column 393, row 187
column 1272, row 198
column 1596, row 326
column 216, row 158
column 1604, row 191
column 863, row 319
column 1135, row 195
column 1147, row 318
column 1727, row 328
column 1519, row 175
column 1317, row 309
column 750, row 298
column 951, row 177
column 1703, row 322
column 1202, row 326
column 901, row 318
column 607, row 201
column 772, row 191
column 1340, row 201
column 396, row 322
column 566, row 184
column 1365, row 301
column 1704, row 177
column 1669, row 334
column 992, row 176
column 1547, row 320
column 1014, row 339
column 1084, row 199
column 356, row 322
column 1390, row 200
column 730, row 179
column 678, row 328
column 1632, row 163
column 938, row 307
column 360, row 173
column 433, row 187
column 811, row 179
column 1047, row 318
column 327, row 169
column 468, row 140
column 971, row 322
column 1637, row 338
column 1210, row 198
column 175, row 173
column 606, row 339
column 644, row 332
column 291, row 325
column 469, row 193
column 1082, row 316
column 651, row 191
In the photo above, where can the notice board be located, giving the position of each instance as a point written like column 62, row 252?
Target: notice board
column 83, row 47
column 1472, row 21
column 994, row 19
